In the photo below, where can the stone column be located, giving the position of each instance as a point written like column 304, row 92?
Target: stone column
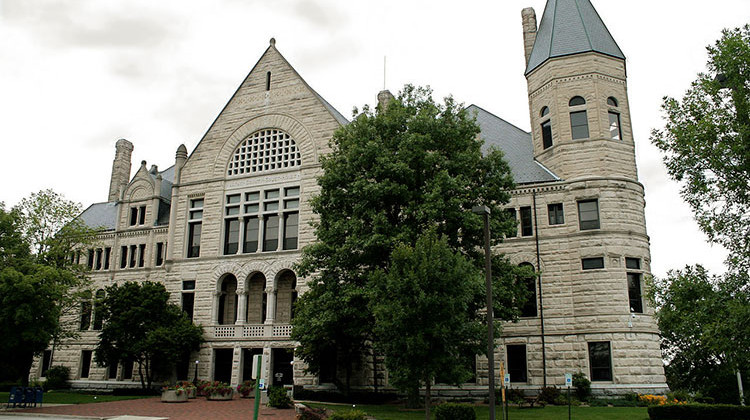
column 215, row 308
column 241, row 307
column 236, row 367
column 271, row 305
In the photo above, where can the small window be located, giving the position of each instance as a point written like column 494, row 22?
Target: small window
column 194, row 240
column 85, row 363
column 633, row 263
column 634, row 293
column 517, row 362
column 99, row 258
column 133, row 216
column 85, row 315
column 268, row 81
column 142, row 215
column 546, row 134
column 555, row 212
column 544, row 111
column 588, row 214
column 615, row 130
column 611, row 101
column 514, row 230
column 46, row 362
column 133, row 255
column 600, row 361
column 159, row 253
column 123, row 256
column 141, row 255
column 188, row 285
column 592, row 263
column 527, row 229
column 579, row 125
column 577, row 100
column 107, row 256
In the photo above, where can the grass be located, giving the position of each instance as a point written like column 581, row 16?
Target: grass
column 67, row 397
column 391, row 412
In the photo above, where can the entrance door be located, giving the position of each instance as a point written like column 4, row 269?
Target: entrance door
column 223, row 365
column 282, row 366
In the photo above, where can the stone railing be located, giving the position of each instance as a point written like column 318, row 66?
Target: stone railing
column 251, row 331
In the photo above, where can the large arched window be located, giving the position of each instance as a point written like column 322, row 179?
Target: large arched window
column 256, row 299
column 228, row 301
column 286, row 295
column 579, row 123
column 263, row 151
column 529, row 309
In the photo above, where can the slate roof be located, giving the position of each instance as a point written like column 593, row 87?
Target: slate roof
column 515, row 144
column 571, row 27
column 101, row 215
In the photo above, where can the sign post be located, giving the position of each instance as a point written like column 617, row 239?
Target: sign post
column 568, row 383
column 506, row 377
column 257, row 365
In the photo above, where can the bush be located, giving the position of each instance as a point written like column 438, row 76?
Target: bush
column 278, row 398
column 309, row 413
column 680, row 395
column 512, row 395
column 453, row 411
column 348, row 415
column 563, row 400
column 57, row 378
column 549, row 394
column 598, row 402
column 582, row 385
column 698, row 411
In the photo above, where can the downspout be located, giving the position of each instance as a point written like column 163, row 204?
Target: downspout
column 539, row 280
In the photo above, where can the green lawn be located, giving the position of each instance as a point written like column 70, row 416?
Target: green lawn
column 64, row 397
column 390, row 412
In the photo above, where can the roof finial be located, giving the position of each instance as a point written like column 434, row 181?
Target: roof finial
column 273, row 42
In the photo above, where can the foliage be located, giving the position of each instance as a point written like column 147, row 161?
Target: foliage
column 454, row 411
column 704, row 329
column 513, row 395
column 57, row 378
column 44, row 214
column 348, row 415
column 698, row 411
column 140, row 325
column 680, row 395
column 278, row 397
column 246, row 388
column 425, row 314
column 549, row 394
column 217, row 388
column 392, row 174
column 582, row 384
column 178, row 389
column 309, row 413
column 201, row 387
column 706, row 145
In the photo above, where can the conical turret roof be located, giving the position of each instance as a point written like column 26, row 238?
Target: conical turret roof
column 571, row 27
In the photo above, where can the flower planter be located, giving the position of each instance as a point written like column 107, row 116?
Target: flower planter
column 191, row 392
column 174, row 396
column 219, row 397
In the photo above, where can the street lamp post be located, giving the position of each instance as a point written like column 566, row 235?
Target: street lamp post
column 485, row 212
column 195, row 380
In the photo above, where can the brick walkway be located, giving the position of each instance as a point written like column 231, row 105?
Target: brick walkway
column 194, row 409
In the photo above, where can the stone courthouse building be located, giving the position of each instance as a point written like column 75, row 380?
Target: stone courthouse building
column 223, row 227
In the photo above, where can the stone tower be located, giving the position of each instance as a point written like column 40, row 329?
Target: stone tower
column 120, row 169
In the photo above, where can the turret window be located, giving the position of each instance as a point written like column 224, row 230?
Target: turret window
column 546, row 128
column 611, row 101
column 579, row 123
column 544, row 111
column 615, row 128
column 577, row 100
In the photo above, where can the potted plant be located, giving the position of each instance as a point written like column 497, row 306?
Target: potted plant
column 201, row 389
column 189, row 388
column 173, row 394
column 246, row 389
column 218, row 391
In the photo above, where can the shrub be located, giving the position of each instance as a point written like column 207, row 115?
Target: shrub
column 563, row 400
column 57, row 378
column 698, row 411
column 512, row 395
column 598, row 402
column 217, row 388
column 680, row 395
column 278, row 398
column 246, row 388
column 549, row 394
column 453, row 411
column 618, row 402
column 582, row 385
column 348, row 415
column 309, row 413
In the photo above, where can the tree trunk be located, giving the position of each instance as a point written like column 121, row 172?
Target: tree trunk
column 427, row 399
column 739, row 385
column 140, row 374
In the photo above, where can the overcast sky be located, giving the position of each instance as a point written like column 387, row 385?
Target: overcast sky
column 75, row 76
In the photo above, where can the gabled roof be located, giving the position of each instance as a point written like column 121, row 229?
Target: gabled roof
column 570, row 27
column 514, row 143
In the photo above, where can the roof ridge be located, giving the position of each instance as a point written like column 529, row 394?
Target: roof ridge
column 583, row 24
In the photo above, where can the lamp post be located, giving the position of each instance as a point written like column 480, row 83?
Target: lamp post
column 195, row 380
column 485, row 212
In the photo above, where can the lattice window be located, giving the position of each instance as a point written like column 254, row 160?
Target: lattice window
column 264, row 150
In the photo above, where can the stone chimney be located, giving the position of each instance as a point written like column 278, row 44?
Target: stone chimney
column 528, row 19
column 120, row 169
column 384, row 98
column 179, row 161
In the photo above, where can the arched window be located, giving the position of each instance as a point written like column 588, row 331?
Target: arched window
column 529, row 309
column 544, row 111
column 615, row 128
column 263, row 151
column 228, row 301
column 546, row 129
column 579, row 123
column 256, row 299
column 286, row 295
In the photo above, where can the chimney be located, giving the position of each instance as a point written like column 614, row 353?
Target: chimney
column 384, row 98
column 120, row 169
column 528, row 19
column 179, row 161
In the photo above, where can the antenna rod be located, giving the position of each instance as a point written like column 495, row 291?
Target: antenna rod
column 383, row 72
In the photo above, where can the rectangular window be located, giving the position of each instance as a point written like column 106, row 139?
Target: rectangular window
column 291, row 221
column 112, row 372
column 600, row 361
column 615, row 131
column 529, row 308
column 517, row 362
column 90, row 259
column 546, row 134
column 141, row 255
column 588, row 214
column 252, row 226
column 85, row 363
column 85, row 316
column 555, row 212
column 107, row 255
column 123, row 256
column 142, row 215
column 271, row 233
column 99, row 258
column 633, row 263
column 231, row 236
column 592, row 263
column 127, row 369
column 514, row 230
column 527, row 229
column 159, row 253
column 133, row 255
column 46, row 361
column 133, row 216
column 634, row 292
column 188, row 301
column 194, row 240
column 579, row 125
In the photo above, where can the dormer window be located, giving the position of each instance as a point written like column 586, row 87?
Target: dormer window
column 137, row 215
column 615, row 128
column 579, row 123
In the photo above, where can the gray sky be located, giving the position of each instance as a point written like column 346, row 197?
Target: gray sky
column 75, row 76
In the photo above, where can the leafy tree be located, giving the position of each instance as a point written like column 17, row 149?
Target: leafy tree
column 426, row 318
column 140, row 325
column 705, row 332
column 412, row 165
column 706, row 145
column 43, row 215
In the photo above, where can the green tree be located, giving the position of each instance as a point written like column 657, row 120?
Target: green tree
column 43, row 216
column 140, row 325
column 706, row 145
column 703, row 321
column 426, row 317
column 412, row 165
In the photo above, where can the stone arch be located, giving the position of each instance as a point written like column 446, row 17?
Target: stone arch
column 248, row 269
column 276, row 268
column 302, row 137
column 526, row 257
column 224, row 269
column 139, row 190
column 286, row 295
column 257, row 297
